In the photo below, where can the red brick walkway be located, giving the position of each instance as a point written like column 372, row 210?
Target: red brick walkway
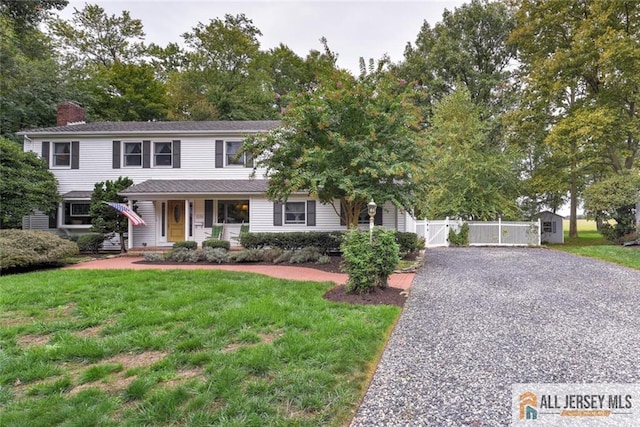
column 399, row 280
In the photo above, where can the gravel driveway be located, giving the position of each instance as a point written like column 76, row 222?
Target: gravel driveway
column 480, row 319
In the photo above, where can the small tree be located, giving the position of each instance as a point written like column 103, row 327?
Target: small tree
column 346, row 139
column 105, row 219
column 614, row 198
column 25, row 185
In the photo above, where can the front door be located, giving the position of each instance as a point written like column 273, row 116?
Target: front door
column 175, row 226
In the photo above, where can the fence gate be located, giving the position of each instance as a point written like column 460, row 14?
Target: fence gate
column 488, row 233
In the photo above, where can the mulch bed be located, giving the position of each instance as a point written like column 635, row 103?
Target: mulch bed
column 389, row 296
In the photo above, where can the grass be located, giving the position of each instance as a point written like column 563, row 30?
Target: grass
column 82, row 347
column 591, row 244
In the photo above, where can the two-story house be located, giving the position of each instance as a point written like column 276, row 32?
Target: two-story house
column 188, row 178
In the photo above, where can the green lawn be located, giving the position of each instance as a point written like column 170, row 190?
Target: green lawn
column 590, row 243
column 181, row 348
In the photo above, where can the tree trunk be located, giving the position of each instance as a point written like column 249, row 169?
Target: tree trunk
column 573, row 208
column 123, row 246
column 638, row 218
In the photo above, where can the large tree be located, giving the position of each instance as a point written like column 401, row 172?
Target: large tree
column 581, row 79
column 30, row 86
column 346, row 140
column 467, row 176
column 467, row 48
column 105, row 219
column 26, row 185
column 225, row 74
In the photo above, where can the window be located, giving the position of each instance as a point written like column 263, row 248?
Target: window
column 233, row 211
column 162, row 154
column 294, row 213
column 548, row 227
column 133, row 154
column 232, row 150
column 61, row 154
column 77, row 213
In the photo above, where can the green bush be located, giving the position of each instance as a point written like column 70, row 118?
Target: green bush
column 153, row 257
column 217, row 255
column 246, row 255
column 461, row 238
column 215, row 243
column 325, row 241
column 308, row 254
column 369, row 263
column 186, row 245
column 26, row 249
column 409, row 242
column 91, row 242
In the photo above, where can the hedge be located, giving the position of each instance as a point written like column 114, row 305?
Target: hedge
column 191, row 245
column 27, row 248
column 325, row 241
column 91, row 242
column 215, row 243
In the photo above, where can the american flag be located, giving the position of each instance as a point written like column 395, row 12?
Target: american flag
column 124, row 210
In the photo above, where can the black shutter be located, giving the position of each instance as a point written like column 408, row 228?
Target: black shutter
column 75, row 155
column 208, row 213
column 311, row 213
column 116, row 155
column 378, row 219
column 176, row 154
column 342, row 221
column 45, row 151
column 53, row 219
column 277, row 213
column 146, row 154
column 219, row 153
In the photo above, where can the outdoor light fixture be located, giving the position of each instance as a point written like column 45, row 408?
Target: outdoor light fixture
column 372, row 213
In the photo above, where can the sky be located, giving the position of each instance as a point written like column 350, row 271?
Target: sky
column 353, row 29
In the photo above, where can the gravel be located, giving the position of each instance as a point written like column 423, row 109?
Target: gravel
column 481, row 319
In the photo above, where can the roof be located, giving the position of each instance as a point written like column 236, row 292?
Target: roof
column 77, row 195
column 547, row 213
column 197, row 187
column 156, row 127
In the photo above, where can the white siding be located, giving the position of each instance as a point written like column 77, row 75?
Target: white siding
column 148, row 233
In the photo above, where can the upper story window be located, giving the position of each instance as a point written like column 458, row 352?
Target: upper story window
column 132, row 154
column 234, row 157
column 162, row 154
column 61, row 154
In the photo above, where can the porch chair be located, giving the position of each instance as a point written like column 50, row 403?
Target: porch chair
column 217, row 232
column 244, row 228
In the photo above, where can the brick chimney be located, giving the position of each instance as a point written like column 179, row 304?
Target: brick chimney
column 70, row 112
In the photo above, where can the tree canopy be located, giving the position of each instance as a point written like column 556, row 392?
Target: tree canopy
column 347, row 140
column 105, row 219
column 26, row 185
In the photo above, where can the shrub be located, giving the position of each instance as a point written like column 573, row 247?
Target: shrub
column 369, row 264
column 91, row 242
column 409, row 242
column 26, row 248
column 179, row 255
column 153, row 257
column 215, row 243
column 308, row 254
column 246, row 255
column 217, row 255
column 461, row 238
column 324, row 259
column 186, row 245
column 284, row 256
column 324, row 241
column 271, row 254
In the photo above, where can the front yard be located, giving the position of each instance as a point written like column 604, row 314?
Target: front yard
column 181, row 348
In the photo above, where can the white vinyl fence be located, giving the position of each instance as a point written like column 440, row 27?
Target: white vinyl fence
column 481, row 233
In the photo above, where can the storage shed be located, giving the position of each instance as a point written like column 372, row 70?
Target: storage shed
column 552, row 231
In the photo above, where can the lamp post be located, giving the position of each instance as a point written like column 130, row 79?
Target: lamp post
column 372, row 213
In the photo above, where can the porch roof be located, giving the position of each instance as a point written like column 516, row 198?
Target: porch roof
column 196, row 187
column 77, row 195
